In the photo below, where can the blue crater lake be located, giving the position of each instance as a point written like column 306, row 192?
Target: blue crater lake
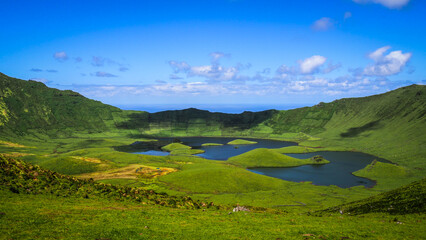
column 338, row 172
column 219, row 152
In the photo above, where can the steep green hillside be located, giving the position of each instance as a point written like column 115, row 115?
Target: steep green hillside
column 29, row 107
column 403, row 200
column 390, row 125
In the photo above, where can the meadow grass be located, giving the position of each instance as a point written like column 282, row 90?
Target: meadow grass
column 50, row 217
column 241, row 142
column 263, row 157
column 175, row 146
column 211, row 144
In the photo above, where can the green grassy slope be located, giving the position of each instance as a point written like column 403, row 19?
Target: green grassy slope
column 31, row 108
column 262, row 157
column 391, row 125
column 21, row 177
column 403, row 200
column 50, row 217
column 39, row 204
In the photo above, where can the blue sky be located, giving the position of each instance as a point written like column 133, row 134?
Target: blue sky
column 191, row 53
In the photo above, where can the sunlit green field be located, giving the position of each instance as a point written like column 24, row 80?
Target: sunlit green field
column 51, row 217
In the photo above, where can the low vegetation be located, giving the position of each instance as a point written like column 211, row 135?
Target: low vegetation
column 263, row 157
column 211, row 144
column 175, row 146
column 20, row 177
column 181, row 149
column 241, row 142
column 404, row 200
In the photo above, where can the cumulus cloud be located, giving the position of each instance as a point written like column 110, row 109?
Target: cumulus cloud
column 298, row 79
column 104, row 74
column 213, row 72
column 60, row 56
column 378, row 54
column 323, row 24
column 393, row 4
column 386, row 65
column 303, row 85
column 51, row 70
column 311, row 64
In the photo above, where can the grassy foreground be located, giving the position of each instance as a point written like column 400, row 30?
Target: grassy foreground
column 33, row 206
column 51, row 217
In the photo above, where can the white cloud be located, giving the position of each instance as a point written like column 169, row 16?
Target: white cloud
column 323, row 24
column 387, row 3
column 213, row 73
column 205, row 71
column 378, row 54
column 302, row 86
column 385, row 65
column 60, row 56
column 311, row 64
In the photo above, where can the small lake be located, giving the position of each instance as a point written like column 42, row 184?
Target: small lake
column 219, row 152
column 338, row 172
